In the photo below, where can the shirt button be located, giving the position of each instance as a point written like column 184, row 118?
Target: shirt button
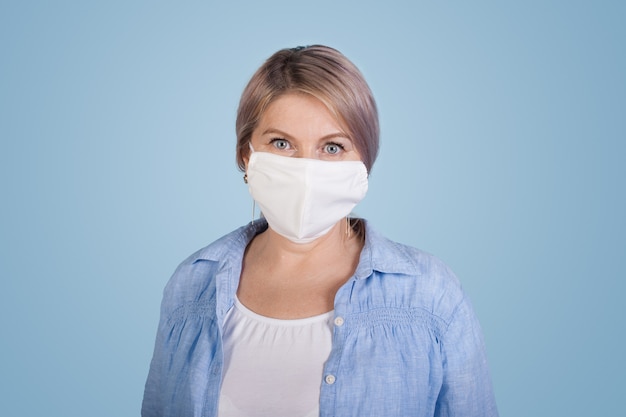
column 339, row 321
column 330, row 379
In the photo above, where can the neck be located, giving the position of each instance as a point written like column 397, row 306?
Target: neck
column 274, row 247
column 283, row 279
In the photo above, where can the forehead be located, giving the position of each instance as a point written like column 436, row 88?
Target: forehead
column 299, row 111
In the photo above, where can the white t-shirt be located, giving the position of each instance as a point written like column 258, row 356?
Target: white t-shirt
column 273, row 367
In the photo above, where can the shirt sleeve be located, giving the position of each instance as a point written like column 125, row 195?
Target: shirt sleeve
column 151, row 406
column 183, row 364
column 180, row 368
column 466, row 389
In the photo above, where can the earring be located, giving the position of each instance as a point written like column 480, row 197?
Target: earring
column 245, row 178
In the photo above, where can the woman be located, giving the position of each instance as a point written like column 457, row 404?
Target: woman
column 308, row 312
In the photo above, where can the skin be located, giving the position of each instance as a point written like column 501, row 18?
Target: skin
column 282, row 279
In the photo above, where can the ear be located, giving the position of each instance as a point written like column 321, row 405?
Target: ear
column 245, row 155
column 245, row 160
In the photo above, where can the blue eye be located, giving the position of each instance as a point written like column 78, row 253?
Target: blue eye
column 280, row 144
column 333, row 148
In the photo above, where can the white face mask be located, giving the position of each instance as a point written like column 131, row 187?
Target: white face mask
column 302, row 199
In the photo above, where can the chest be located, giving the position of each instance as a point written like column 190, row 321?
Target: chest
column 290, row 294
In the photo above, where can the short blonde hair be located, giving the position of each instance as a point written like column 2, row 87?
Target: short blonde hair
column 327, row 75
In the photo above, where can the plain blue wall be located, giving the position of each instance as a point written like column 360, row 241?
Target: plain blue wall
column 503, row 130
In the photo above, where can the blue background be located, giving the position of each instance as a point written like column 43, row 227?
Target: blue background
column 503, row 130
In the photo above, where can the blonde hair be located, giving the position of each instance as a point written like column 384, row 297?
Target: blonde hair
column 325, row 74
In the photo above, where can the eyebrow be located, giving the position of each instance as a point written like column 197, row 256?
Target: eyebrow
column 288, row 136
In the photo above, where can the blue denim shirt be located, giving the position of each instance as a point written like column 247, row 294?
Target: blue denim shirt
column 409, row 343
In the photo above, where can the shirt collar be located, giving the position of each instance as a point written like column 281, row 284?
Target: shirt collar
column 383, row 255
column 230, row 248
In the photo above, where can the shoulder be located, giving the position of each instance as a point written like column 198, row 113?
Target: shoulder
column 194, row 278
column 417, row 278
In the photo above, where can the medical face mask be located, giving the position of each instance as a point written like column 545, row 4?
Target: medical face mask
column 302, row 199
